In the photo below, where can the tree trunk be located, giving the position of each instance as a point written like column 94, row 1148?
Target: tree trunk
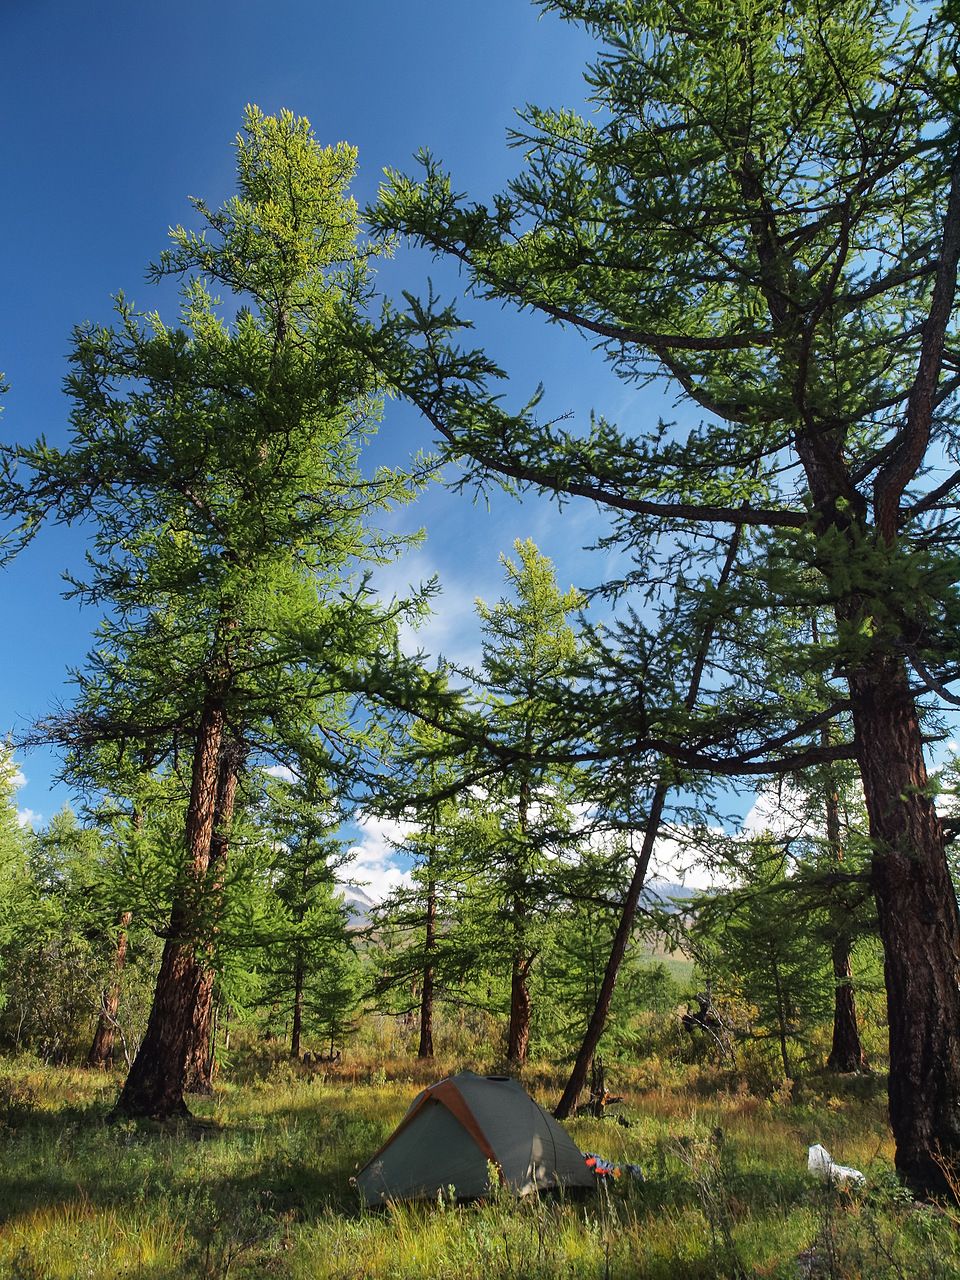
column 298, row 975
column 781, row 1022
column 104, row 1038
column 846, row 1052
column 628, row 914
column 155, row 1084
column 518, row 1038
column 199, row 1075
column 919, row 924
column 518, row 1035
column 426, row 995
column 200, row 1063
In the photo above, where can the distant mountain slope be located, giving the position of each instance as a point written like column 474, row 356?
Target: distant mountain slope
column 358, row 903
column 662, row 892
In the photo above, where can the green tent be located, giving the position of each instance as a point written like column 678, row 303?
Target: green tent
column 465, row 1132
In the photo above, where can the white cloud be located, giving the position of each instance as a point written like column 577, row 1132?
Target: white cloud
column 280, row 771
column 375, row 865
column 783, row 812
column 25, row 817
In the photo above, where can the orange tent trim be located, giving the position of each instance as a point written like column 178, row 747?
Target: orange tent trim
column 446, row 1091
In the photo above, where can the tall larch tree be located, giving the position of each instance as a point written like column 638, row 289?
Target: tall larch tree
column 764, row 214
column 422, row 954
column 218, row 463
column 521, row 823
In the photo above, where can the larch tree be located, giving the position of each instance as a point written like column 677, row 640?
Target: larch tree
column 309, row 929
column 15, row 880
column 499, row 831
column 834, row 862
column 765, row 948
column 522, row 824
column 137, row 812
column 421, row 954
column 764, row 214
column 218, row 462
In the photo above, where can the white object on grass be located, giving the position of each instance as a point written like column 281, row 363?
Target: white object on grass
column 820, row 1162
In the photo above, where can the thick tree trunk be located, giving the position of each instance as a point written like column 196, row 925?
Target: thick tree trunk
column 200, row 1063
column 919, row 925
column 155, row 1084
column 199, row 1075
column 518, row 1035
column 426, row 995
column 104, row 1038
column 916, row 902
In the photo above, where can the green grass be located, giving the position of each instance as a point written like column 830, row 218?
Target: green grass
column 258, row 1185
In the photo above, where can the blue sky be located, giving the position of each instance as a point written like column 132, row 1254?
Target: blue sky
column 116, row 113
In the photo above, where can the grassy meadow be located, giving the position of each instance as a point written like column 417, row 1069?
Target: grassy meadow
column 257, row 1183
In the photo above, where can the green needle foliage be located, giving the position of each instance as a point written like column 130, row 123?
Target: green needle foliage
column 763, row 212
column 308, row 973
column 14, row 872
column 218, row 463
column 422, row 951
column 520, row 832
column 765, row 951
column 501, row 827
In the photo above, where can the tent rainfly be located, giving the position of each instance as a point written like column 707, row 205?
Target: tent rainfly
column 461, row 1130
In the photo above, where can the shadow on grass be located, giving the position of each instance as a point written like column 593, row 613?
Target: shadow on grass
column 77, row 1159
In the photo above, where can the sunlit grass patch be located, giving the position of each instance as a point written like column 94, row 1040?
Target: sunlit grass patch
column 258, row 1183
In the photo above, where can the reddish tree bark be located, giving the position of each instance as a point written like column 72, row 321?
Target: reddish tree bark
column 846, row 1051
column 919, row 924
column 155, row 1084
column 518, row 1038
column 200, row 1062
column 915, row 897
column 104, row 1038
